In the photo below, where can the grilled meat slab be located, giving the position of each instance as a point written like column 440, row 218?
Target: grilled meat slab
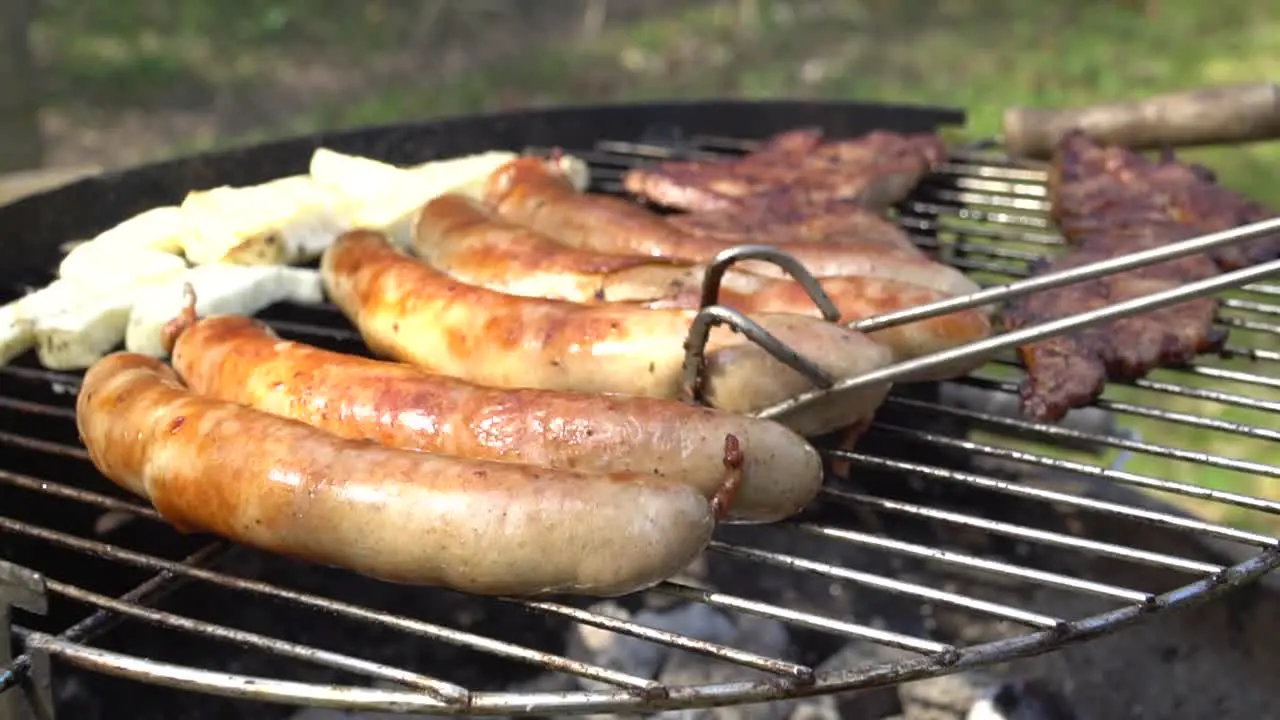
column 875, row 170
column 1110, row 202
column 1070, row 371
column 1096, row 189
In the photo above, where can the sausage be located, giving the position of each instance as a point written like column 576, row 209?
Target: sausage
column 408, row 311
column 239, row 359
column 396, row 515
column 457, row 235
column 532, row 193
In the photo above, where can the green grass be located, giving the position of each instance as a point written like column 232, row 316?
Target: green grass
column 983, row 55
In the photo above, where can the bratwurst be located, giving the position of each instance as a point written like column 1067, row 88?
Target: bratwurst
column 532, row 192
column 411, row 312
column 460, row 237
column 239, row 359
column 397, row 515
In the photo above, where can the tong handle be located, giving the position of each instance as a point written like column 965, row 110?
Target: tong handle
column 1206, row 116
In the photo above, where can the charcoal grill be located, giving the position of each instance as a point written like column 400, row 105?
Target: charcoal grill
column 926, row 479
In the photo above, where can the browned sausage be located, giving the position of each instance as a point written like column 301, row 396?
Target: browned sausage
column 460, row 237
column 531, row 192
column 238, row 359
column 398, row 515
column 411, row 312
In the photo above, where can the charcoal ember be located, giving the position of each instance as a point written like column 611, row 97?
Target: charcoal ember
column 753, row 634
column 641, row 657
column 1022, row 699
column 871, row 704
column 677, row 667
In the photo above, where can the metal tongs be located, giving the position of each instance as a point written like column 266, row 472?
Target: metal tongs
column 1214, row 115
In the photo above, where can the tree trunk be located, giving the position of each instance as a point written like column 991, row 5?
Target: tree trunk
column 21, row 146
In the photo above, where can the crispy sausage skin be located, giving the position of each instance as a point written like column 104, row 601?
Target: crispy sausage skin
column 238, row 359
column 411, row 312
column 531, row 192
column 397, row 515
column 461, row 238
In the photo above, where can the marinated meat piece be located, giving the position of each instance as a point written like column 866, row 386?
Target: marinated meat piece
column 1094, row 187
column 1070, row 371
column 875, row 170
column 1110, row 202
column 776, row 219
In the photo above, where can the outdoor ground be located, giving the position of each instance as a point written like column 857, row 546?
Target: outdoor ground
column 142, row 79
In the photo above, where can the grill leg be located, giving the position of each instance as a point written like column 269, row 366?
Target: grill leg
column 30, row 695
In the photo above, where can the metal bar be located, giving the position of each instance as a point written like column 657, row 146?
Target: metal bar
column 1107, row 508
column 897, row 587
column 702, row 647
column 1021, row 532
column 991, row 201
column 960, row 166
column 23, row 589
column 1027, row 230
column 34, row 484
column 725, row 259
column 806, row 620
column 1251, row 306
column 226, row 684
column 33, row 408
column 997, row 187
column 1061, row 278
column 1031, row 334
column 1263, row 289
column 44, row 446
column 460, row 638
column 1235, row 351
column 695, row 348
column 1059, row 432
column 101, row 620
column 54, row 377
column 1143, row 411
column 486, row 703
column 444, row 691
column 975, row 563
column 1118, row 476
column 1246, row 324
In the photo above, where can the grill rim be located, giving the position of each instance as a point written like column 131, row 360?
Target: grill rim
column 945, row 661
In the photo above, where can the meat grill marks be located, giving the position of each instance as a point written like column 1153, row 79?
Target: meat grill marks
column 1069, row 371
column 1109, row 202
column 797, row 171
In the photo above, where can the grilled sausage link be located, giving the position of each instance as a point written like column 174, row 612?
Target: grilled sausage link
column 397, row 515
column 413, row 313
column 239, row 359
column 531, row 192
column 460, row 237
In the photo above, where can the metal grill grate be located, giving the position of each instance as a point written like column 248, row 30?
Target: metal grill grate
column 981, row 213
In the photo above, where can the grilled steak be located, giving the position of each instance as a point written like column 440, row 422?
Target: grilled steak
column 1097, row 189
column 1070, row 371
column 875, row 170
column 1109, row 202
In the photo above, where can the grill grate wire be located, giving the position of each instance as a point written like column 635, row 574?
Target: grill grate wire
column 982, row 213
